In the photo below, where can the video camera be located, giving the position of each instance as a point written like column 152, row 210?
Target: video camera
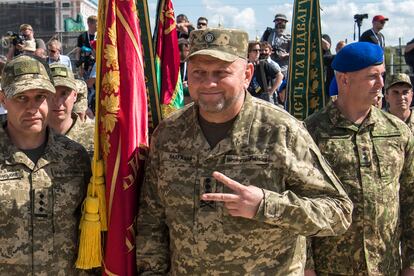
column 15, row 38
column 360, row 17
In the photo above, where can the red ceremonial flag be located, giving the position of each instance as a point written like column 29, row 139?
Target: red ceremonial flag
column 123, row 128
column 167, row 59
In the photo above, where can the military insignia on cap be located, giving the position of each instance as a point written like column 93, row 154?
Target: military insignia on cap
column 59, row 72
column 26, row 67
column 209, row 37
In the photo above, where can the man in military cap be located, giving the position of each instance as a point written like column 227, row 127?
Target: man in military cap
column 399, row 95
column 372, row 153
column 280, row 42
column 62, row 119
column 233, row 183
column 43, row 177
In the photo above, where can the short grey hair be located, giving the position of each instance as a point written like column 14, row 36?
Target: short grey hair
column 56, row 43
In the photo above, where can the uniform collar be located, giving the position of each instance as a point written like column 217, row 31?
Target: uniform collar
column 339, row 120
column 239, row 133
column 13, row 155
column 76, row 124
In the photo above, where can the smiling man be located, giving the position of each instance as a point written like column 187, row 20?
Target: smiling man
column 233, row 183
column 43, row 177
column 399, row 95
column 62, row 119
column 372, row 153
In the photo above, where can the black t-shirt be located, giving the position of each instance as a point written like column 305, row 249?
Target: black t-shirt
column 35, row 154
column 84, row 39
column 371, row 36
column 214, row 132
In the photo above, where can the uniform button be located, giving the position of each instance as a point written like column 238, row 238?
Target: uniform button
column 41, row 195
column 41, row 202
column 41, row 209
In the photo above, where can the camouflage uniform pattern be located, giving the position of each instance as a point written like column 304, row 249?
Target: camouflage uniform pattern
column 63, row 76
column 81, row 104
column 83, row 133
column 40, row 207
column 375, row 164
column 181, row 235
column 224, row 44
column 410, row 121
column 25, row 73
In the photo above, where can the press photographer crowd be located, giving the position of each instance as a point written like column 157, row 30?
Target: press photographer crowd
column 270, row 54
column 234, row 184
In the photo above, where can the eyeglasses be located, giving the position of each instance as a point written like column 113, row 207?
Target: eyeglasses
column 201, row 24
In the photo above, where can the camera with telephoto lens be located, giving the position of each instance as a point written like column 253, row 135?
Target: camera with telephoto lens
column 360, row 17
column 15, row 38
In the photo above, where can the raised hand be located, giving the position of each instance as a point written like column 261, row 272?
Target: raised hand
column 245, row 200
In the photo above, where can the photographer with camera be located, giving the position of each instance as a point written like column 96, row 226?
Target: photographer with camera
column 374, row 34
column 26, row 34
column 280, row 42
column 266, row 77
column 184, row 27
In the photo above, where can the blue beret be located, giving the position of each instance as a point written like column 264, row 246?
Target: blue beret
column 357, row 56
column 333, row 87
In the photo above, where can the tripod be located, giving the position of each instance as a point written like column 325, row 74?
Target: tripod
column 358, row 22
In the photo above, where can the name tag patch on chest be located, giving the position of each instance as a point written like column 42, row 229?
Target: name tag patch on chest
column 11, row 175
column 248, row 159
column 178, row 157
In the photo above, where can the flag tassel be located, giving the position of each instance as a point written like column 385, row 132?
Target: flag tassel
column 93, row 220
column 90, row 253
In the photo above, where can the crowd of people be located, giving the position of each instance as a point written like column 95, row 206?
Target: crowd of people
column 233, row 183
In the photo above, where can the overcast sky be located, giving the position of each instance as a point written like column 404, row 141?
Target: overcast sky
column 336, row 15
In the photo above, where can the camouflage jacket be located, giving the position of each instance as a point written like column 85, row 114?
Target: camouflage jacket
column 40, row 207
column 375, row 164
column 410, row 121
column 179, row 234
column 83, row 133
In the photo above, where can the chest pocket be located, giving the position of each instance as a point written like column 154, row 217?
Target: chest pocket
column 339, row 151
column 255, row 169
column 389, row 150
column 176, row 181
column 69, row 189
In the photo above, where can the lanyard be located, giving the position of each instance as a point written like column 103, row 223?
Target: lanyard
column 379, row 39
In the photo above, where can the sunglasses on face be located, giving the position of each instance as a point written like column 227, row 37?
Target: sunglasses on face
column 201, row 24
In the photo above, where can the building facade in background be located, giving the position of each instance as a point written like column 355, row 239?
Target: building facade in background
column 46, row 17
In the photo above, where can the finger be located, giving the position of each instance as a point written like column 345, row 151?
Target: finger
column 220, row 197
column 233, row 185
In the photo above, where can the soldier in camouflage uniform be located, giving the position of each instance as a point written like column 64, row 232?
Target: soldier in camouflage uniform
column 62, row 119
column 372, row 153
column 399, row 95
column 233, row 184
column 43, row 178
column 280, row 42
